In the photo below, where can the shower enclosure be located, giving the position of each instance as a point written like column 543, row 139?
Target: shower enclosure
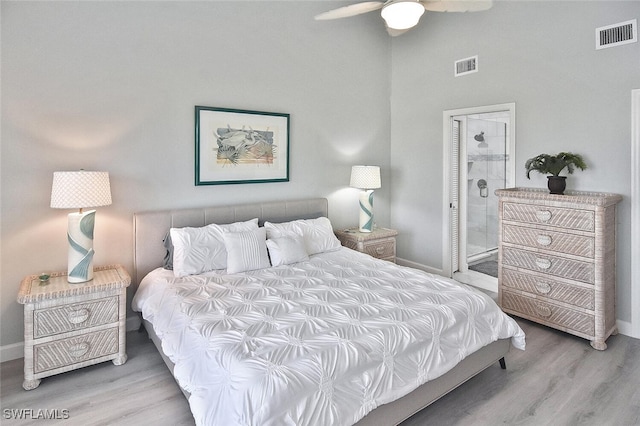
column 486, row 149
column 479, row 144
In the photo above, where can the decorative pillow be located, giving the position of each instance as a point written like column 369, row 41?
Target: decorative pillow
column 317, row 233
column 286, row 250
column 198, row 250
column 246, row 251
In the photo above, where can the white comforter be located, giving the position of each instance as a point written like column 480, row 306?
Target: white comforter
column 321, row 342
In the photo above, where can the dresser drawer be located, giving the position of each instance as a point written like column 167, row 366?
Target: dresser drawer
column 73, row 350
column 548, row 313
column 551, row 265
column 76, row 316
column 578, row 245
column 582, row 220
column 549, row 288
column 381, row 249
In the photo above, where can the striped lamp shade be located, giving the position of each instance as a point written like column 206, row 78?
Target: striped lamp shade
column 76, row 190
column 365, row 177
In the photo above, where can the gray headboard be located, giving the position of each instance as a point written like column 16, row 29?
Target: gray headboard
column 150, row 228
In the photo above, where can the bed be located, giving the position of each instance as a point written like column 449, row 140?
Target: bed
column 336, row 337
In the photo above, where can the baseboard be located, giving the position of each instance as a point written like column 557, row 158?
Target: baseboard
column 429, row 269
column 626, row 328
column 16, row 350
column 12, row 351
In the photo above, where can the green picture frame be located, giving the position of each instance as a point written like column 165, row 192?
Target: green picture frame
column 234, row 146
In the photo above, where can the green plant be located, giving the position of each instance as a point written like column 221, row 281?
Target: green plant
column 554, row 164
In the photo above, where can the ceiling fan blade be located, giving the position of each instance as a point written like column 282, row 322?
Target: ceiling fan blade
column 352, row 10
column 457, row 5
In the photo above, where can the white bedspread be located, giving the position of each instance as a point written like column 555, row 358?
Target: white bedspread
column 321, row 342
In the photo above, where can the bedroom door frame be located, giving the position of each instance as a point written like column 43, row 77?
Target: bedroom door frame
column 635, row 213
column 452, row 200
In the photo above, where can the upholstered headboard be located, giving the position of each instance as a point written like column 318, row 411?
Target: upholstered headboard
column 150, row 228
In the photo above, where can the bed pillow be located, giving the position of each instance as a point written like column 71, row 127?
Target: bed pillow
column 317, row 233
column 198, row 250
column 167, row 262
column 246, row 251
column 286, row 250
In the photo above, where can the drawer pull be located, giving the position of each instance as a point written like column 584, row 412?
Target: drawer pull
column 544, row 240
column 543, row 263
column 79, row 316
column 79, row 349
column 543, row 311
column 543, row 288
column 543, row 215
column 380, row 250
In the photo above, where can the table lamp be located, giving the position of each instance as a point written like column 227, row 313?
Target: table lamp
column 366, row 178
column 78, row 190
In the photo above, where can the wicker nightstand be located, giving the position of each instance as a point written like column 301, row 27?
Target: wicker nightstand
column 69, row 326
column 380, row 243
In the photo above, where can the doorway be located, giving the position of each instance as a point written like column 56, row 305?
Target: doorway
column 479, row 151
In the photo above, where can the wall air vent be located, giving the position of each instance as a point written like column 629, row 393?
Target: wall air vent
column 465, row 66
column 617, row 34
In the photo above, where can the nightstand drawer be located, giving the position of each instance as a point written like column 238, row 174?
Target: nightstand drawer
column 76, row 316
column 549, row 288
column 582, row 220
column 551, row 265
column 380, row 243
column 381, row 249
column 561, row 242
column 549, row 314
column 73, row 350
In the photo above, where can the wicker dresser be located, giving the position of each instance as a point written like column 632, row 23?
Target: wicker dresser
column 557, row 260
column 380, row 243
column 69, row 326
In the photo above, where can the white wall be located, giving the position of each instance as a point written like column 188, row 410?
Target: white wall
column 112, row 86
column 569, row 97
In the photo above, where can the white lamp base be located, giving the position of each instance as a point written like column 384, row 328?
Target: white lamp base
column 366, row 211
column 80, row 238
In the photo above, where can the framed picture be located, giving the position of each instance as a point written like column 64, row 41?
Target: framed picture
column 238, row 146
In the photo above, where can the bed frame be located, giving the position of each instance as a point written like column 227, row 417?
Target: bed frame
column 150, row 229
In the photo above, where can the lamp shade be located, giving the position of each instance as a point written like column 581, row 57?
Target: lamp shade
column 76, row 190
column 365, row 177
column 402, row 14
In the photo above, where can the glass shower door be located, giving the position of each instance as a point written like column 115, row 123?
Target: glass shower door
column 486, row 172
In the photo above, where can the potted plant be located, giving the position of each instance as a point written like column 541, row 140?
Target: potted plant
column 553, row 165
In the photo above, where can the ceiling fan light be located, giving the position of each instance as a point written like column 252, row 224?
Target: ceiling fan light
column 402, row 15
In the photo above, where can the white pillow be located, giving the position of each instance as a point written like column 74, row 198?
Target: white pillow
column 246, row 251
column 317, row 233
column 287, row 250
column 198, row 250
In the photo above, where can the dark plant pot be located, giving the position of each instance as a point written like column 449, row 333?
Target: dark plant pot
column 557, row 184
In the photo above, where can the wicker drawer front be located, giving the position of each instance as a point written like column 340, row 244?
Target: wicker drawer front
column 561, row 242
column 61, row 319
column 549, row 314
column 73, row 350
column 551, row 265
column 353, row 245
column 582, row 220
column 381, row 248
column 549, row 288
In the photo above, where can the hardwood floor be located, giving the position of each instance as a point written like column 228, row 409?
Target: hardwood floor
column 558, row 380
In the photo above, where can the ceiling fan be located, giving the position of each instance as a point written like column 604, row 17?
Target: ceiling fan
column 402, row 15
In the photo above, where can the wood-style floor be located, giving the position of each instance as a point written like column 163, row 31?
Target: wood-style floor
column 558, row 380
